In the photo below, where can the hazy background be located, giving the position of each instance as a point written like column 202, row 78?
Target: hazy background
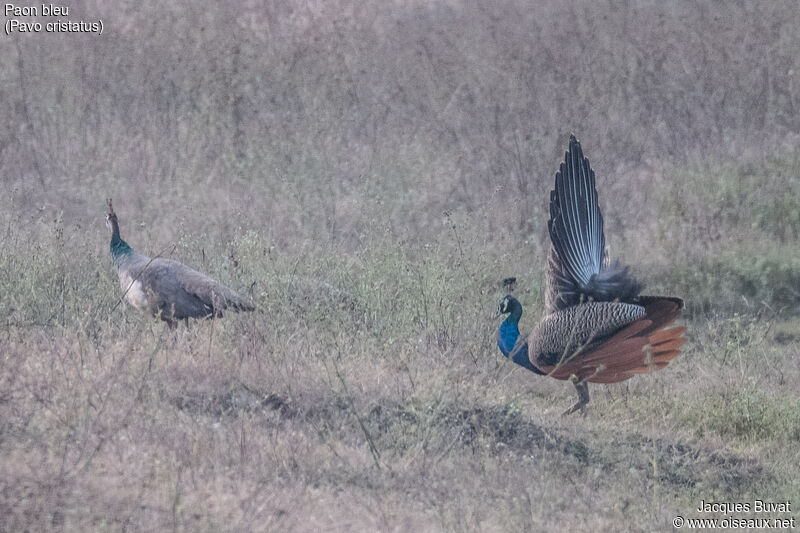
column 366, row 173
column 317, row 121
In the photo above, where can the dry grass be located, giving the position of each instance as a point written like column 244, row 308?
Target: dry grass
column 366, row 174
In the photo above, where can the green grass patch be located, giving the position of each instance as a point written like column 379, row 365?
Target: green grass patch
column 749, row 415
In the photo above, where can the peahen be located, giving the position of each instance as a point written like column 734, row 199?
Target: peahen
column 596, row 327
column 166, row 288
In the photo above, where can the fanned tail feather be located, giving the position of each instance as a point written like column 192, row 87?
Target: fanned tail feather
column 581, row 269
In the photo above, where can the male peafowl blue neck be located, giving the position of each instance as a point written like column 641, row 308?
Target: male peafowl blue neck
column 509, row 329
column 509, row 333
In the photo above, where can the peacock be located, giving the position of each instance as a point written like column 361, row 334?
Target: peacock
column 166, row 288
column 597, row 327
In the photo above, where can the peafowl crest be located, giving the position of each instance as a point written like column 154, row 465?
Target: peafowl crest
column 165, row 288
column 596, row 327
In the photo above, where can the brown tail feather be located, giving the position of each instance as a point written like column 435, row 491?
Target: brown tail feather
column 667, row 346
column 646, row 369
column 643, row 346
column 662, row 311
column 666, row 335
column 666, row 357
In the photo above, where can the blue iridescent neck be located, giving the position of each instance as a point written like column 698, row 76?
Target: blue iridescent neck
column 119, row 247
column 509, row 329
column 522, row 359
column 516, row 312
column 509, row 334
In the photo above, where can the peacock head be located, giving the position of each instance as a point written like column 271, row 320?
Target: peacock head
column 509, row 304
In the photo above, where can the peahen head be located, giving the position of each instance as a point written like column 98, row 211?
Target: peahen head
column 118, row 246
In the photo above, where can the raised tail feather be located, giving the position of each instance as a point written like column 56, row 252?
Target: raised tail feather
column 576, row 232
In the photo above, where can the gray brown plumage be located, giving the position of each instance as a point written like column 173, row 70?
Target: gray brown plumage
column 597, row 327
column 165, row 288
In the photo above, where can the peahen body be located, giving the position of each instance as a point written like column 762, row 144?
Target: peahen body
column 165, row 288
column 596, row 327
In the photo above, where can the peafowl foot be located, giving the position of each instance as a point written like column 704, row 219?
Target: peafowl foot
column 583, row 395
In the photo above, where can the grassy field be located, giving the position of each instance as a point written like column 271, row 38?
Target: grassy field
column 367, row 174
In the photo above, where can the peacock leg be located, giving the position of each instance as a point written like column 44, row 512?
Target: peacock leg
column 583, row 395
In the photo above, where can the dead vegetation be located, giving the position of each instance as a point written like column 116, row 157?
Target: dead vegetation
column 367, row 174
